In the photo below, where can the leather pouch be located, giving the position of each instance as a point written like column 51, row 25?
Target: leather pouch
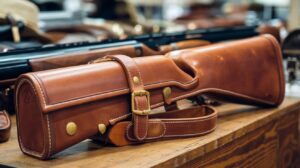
column 112, row 99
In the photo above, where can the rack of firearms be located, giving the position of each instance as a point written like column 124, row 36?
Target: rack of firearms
column 15, row 62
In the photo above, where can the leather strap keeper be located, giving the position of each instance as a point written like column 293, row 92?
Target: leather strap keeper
column 59, row 108
column 140, row 105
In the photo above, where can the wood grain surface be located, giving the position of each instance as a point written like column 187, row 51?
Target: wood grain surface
column 246, row 136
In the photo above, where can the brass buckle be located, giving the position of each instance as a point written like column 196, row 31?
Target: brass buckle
column 140, row 93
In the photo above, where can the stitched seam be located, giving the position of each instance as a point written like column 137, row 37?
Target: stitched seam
column 49, row 133
column 224, row 91
column 113, row 91
column 186, row 121
column 47, row 117
column 39, row 87
column 128, row 72
column 31, row 152
column 4, row 112
column 142, row 83
column 146, row 125
column 182, row 135
column 136, row 127
column 277, row 62
column 127, row 131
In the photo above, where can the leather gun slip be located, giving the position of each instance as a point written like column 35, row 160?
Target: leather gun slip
column 113, row 99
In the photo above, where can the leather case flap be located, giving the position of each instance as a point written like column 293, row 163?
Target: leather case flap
column 80, row 84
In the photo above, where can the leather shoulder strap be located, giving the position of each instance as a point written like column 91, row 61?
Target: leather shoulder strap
column 190, row 122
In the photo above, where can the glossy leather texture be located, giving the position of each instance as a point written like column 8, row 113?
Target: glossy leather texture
column 245, row 71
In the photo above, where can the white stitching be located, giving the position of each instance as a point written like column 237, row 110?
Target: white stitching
column 139, row 74
column 33, row 153
column 127, row 130
column 189, row 121
column 40, row 88
column 278, row 65
column 49, row 133
column 200, row 133
column 136, row 128
column 222, row 91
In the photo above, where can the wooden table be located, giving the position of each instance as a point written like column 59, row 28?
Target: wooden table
column 244, row 136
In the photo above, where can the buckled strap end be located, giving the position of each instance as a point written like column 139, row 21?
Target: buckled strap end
column 140, row 98
column 195, row 121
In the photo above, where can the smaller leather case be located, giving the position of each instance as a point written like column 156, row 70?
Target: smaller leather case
column 113, row 98
column 5, row 126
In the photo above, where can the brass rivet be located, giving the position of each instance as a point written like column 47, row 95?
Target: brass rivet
column 71, row 128
column 167, row 92
column 101, row 128
column 136, row 80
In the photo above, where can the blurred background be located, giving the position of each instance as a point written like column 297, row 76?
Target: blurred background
column 120, row 18
column 44, row 28
column 29, row 23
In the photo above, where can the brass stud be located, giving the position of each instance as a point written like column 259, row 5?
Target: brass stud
column 101, row 128
column 136, row 80
column 71, row 128
column 167, row 92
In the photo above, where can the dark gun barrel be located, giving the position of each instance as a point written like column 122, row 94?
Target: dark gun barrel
column 15, row 62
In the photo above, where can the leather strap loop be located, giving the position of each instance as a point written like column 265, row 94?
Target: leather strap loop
column 195, row 121
column 178, row 123
column 140, row 97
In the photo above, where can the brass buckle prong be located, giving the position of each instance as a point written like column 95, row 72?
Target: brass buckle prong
column 140, row 93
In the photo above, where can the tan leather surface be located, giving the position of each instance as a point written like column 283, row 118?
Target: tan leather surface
column 250, row 64
column 246, row 71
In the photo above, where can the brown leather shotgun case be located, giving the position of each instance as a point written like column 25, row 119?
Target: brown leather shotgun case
column 113, row 99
